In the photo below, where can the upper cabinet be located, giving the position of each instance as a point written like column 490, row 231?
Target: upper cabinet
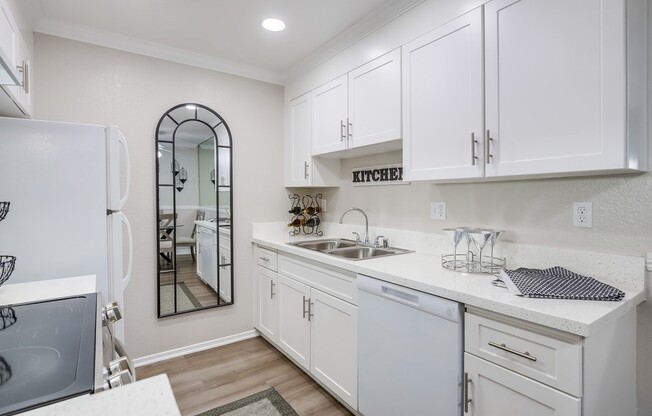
column 556, row 102
column 15, row 67
column 359, row 109
column 298, row 158
column 442, row 102
column 556, row 99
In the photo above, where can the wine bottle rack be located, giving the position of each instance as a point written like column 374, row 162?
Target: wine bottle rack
column 305, row 212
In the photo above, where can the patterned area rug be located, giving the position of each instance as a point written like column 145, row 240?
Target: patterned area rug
column 185, row 299
column 265, row 403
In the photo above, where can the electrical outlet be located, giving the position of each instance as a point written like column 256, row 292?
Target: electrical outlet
column 438, row 211
column 583, row 214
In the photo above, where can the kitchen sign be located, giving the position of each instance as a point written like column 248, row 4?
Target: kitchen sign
column 378, row 175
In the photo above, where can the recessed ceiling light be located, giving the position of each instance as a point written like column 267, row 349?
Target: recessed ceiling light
column 273, row 25
column 190, row 106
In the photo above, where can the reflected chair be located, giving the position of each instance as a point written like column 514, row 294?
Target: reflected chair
column 191, row 241
column 166, row 236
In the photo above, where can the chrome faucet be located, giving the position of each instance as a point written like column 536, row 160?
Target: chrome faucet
column 366, row 223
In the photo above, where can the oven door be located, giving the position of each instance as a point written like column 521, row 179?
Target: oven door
column 113, row 367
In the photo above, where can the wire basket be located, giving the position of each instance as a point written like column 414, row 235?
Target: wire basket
column 7, row 264
column 4, row 209
column 5, row 371
column 471, row 264
column 7, row 317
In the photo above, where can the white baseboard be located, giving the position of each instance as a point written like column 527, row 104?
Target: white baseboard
column 178, row 352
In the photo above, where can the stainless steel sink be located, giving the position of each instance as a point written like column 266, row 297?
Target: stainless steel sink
column 348, row 249
column 324, row 245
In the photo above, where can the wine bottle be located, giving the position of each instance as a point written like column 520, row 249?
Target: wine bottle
column 312, row 222
column 295, row 210
column 297, row 222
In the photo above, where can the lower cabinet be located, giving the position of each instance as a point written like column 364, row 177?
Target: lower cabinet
column 494, row 390
column 267, row 312
column 318, row 330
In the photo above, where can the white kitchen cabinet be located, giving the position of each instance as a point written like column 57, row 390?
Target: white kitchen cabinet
column 493, row 390
column 308, row 312
column 224, row 276
column 15, row 67
column 360, row 108
column 293, row 320
column 501, row 96
column 267, row 311
column 298, row 159
column 443, row 102
column 330, row 116
column 333, row 341
column 557, row 88
column 375, row 101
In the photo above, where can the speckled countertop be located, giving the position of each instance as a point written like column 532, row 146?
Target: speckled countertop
column 423, row 271
column 151, row 396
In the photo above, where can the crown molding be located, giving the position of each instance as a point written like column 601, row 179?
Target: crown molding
column 153, row 49
column 381, row 16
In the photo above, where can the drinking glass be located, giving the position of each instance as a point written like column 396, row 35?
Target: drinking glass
column 455, row 235
column 480, row 239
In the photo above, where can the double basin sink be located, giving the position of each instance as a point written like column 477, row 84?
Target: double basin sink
column 348, row 249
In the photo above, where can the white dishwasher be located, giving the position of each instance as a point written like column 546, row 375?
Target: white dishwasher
column 409, row 351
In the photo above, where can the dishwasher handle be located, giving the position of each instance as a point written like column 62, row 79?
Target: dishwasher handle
column 434, row 305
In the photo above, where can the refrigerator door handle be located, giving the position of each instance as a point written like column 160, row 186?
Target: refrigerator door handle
column 122, row 141
column 127, row 278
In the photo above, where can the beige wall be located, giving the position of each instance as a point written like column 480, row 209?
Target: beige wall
column 82, row 83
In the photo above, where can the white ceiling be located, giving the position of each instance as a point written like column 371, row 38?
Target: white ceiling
column 224, row 30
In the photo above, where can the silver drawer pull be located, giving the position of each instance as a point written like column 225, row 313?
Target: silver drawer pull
column 504, row 347
column 264, row 258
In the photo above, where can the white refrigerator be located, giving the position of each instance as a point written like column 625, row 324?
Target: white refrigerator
column 66, row 184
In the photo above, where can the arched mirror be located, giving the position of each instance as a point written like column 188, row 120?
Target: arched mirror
column 194, row 210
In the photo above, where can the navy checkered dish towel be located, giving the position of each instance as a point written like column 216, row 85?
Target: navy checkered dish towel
column 557, row 283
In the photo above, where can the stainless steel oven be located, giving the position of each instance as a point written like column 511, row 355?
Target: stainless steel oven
column 58, row 349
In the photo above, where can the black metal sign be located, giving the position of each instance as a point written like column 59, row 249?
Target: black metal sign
column 378, row 175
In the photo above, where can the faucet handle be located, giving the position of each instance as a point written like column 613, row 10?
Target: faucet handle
column 357, row 237
column 381, row 241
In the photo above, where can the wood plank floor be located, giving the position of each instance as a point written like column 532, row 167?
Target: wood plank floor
column 208, row 379
column 187, row 273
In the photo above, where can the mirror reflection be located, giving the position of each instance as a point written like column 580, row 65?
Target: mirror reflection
column 194, row 210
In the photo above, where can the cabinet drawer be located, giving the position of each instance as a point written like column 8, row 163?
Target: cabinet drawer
column 332, row 281
column 543, row 358
column 267, row 258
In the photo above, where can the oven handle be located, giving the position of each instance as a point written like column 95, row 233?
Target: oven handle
column 122, row 352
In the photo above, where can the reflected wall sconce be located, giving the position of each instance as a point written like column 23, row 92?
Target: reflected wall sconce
column 183, row 175
column 213, row 176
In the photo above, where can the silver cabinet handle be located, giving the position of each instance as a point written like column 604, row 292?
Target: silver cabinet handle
column 304, row 307
column 24, row 69
column 305, row 170
column 467, row 380
column 505, row 348
column 349, row 130
column 271, row 289
column 310, row 314
column 342, row 134
column 264, row 258
column 473, row 143
column 489, row 155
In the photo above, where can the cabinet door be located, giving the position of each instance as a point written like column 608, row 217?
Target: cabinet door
column 8, row 46
column 300, row 136
column 293, row 324
column 555, row 86
column 334, row 344
column 330, row 112
column 494, row 390
column 443, row 102
column 375, row 101
column 267, row 318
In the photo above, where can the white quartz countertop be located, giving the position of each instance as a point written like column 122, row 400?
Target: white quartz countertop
column 11, row 294
column 423, row 271
column 151, row 396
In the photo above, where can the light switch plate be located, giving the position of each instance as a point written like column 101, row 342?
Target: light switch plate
column 438, row 211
